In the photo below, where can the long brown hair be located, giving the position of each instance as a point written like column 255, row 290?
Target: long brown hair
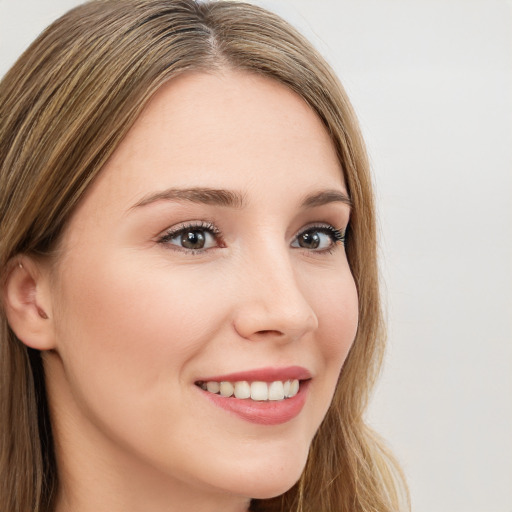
column 64, row 108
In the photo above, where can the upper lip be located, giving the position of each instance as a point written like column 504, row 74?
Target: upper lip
column 269, row 374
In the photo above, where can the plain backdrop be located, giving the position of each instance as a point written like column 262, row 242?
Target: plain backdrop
column 431, row 81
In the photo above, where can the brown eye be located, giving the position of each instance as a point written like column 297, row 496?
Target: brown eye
column 309, row 240
column 318, row 238
column 193, row 239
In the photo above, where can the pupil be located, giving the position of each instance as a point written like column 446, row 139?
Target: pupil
column 193, row 240
column 310, row 240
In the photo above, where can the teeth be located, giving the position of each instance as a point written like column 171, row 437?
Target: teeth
column 213, row 387
column 276, row 390
column 294, row 388
column 242, row 389
column 226, row 388
column 257, row 391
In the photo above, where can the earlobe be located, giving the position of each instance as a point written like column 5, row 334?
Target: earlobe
column 27, row 305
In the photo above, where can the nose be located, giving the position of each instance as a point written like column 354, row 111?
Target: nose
column 272, row 303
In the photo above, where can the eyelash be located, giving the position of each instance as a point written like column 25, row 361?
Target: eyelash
column 338, row 236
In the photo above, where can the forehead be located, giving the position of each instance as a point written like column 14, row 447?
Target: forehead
column 227, row 129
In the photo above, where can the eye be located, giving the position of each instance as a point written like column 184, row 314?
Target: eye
column 192, row 237
column 319, row 238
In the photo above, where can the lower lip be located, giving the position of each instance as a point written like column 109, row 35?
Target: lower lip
column 271, row 412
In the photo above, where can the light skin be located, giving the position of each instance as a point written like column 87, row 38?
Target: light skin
column 134, row 318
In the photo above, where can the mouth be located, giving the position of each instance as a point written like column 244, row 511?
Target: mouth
column 268, row 396
column 258, row 391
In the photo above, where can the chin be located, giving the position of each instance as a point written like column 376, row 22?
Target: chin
column 272, row 480
column 275, row 488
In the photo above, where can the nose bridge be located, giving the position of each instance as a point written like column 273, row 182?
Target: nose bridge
column 273, row 299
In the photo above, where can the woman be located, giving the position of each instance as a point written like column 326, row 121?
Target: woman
column 181, row 328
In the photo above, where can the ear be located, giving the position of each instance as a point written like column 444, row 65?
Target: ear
column 26, row 297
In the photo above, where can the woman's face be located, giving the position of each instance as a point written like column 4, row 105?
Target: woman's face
column 209, row 249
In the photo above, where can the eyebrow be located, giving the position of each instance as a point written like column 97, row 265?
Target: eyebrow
column 325, row 197
column 212, row 196
column 234, row 199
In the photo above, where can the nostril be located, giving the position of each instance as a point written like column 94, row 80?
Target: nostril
column 268, row 332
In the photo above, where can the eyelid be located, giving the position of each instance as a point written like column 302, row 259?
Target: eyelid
column 322, row 226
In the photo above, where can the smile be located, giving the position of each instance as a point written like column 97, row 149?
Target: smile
column 265, row 396
column 257, row 390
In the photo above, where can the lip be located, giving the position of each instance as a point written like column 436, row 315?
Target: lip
column 265, row 412
column 269, row 374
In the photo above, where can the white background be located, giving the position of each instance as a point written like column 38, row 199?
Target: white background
column 431, row 81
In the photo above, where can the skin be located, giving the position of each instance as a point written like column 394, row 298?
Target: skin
column 134, row 322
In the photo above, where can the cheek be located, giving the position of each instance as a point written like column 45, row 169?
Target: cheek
column 127, row 328
column 337, row 311
column 336, row 305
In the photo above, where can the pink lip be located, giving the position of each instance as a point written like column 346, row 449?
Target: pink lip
column 270, row 374
column 265, row 412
